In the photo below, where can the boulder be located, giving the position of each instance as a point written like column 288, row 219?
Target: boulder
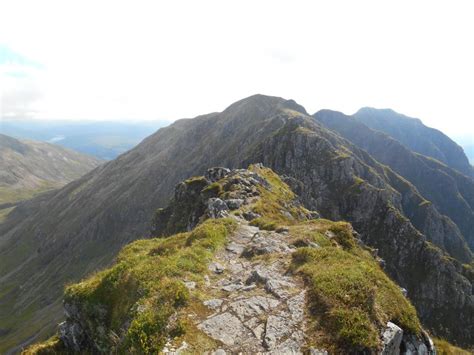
column 234, row 203
column 249, row 216
column 392, row 338
column 216, row 208
column 216, row 268
column 216, row 173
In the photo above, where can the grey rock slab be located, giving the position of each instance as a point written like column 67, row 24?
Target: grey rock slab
column 253, row 306
column 256, row 326
column 216, row 268
column 234, row 248
column 291, row 345
column 265, row 245
column 414, row 345
column 277, row 327
column 232, row 287
column 391, row 338
column 236, row 267
column 275, row 283
column 213, row 304
column 224, row 327
column 278, row 287
column 249, row 287
column 296, row 306
column 245, row 232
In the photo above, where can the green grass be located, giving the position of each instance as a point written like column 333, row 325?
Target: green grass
column 273, row 202
column 4, row 213
column 350, row 296
column 351, row 299
column 13, row 195
column 213, row 190
column 424, row 203
column 445, row 348
column 52, row 346
column 146, row 286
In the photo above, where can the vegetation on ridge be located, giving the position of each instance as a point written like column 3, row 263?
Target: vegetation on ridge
column 143, row 300
column 145, row 287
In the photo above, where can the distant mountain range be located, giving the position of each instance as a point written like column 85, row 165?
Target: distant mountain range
column 416, row 136
column 29, row 167
column 411, row 199
column 468, row 145
column 105, row 140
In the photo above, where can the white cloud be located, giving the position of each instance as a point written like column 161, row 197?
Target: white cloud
column 150, row 59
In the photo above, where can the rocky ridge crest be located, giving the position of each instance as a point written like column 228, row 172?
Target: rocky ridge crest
column 253, row 292
column 84, row 225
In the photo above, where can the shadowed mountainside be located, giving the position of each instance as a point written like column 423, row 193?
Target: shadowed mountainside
column 450, row 191
column 416, row 136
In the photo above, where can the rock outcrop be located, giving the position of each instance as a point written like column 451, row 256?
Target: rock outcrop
column 248, row 289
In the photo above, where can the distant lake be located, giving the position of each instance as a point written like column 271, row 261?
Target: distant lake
column 56, row 139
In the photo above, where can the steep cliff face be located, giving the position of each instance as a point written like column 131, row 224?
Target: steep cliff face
column 345, row 186
column 222, row 283
column 449, row 191
column 416, row 136
column 83, row 226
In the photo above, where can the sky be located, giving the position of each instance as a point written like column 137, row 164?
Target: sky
column 164, row 60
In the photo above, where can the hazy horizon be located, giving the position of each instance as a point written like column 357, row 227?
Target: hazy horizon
column 144, row 63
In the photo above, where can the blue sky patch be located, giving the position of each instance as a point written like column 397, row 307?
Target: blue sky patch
column 8, row 56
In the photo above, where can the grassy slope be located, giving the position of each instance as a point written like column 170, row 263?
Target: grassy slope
column 14, row 195
column 350, row 297
column 445, row 348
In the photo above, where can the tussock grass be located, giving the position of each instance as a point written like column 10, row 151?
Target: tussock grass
column 145, row 287
column 52, row 346
column 352, row 296
column 445, row 348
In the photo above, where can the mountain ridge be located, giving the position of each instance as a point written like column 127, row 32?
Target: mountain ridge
column 416, row 136
column 328, row 173
column 448, row 189
column 28, row 168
